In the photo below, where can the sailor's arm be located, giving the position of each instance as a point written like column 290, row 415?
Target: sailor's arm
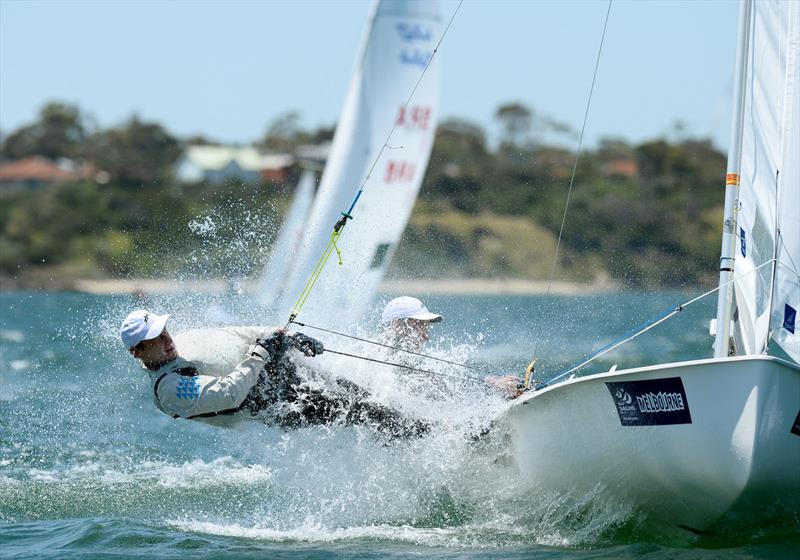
column 507, row 385
column 188, row 395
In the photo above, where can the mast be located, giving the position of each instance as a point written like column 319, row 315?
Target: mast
column 726, row 261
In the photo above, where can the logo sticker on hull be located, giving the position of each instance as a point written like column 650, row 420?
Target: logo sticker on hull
column 650, row 402
column 796, row 426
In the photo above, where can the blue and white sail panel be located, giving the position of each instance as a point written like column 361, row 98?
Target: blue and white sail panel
column 399, row 44
column 786, row 297
column 272, row 285
column 769, row 196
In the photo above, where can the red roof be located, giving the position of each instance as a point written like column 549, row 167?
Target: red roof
column 39, row 169
column 621, row 168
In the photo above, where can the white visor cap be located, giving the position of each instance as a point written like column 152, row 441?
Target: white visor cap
column 406, row 307
column 141, row 325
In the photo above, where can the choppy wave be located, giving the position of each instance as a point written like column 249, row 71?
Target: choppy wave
column 196, row 474
column 10, row 335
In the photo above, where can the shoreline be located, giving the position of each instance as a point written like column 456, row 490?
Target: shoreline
column 450, row 286
column 492, row 286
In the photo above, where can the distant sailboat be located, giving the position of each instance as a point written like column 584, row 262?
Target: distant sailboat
column 399, row 42
column 686, row 443
column 272, row 285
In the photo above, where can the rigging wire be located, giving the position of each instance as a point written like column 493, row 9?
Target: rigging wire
column 397, row 348
column 348, row 215
column 406, row 367
column 641, row 329
column 577, row 158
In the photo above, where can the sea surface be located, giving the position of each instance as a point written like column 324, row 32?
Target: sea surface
column 90, row 469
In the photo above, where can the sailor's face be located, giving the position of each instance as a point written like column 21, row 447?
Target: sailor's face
column 156, row 350
column 412, row 333
column 419, row 330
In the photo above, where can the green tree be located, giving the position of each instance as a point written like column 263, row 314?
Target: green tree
column 136, row 153
column 459, row 162
column 60, row 131
column 284, row 133
column 516, row 120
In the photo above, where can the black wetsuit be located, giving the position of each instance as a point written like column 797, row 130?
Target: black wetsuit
column 283, row 398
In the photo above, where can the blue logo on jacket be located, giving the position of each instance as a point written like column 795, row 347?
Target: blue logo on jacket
column 188, row 388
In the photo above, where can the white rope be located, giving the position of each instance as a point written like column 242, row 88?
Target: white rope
column 677, row 309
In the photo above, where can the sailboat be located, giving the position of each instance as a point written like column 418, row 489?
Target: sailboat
column 398, row 48
column 695, row 443
column 272, row 285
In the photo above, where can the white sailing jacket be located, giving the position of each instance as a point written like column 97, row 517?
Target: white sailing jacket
column 205, row 382
column 181, row 391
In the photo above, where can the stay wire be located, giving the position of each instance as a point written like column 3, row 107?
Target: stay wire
column 577, row 158
column 643, row 328
column 407, row 367
column 376, row 343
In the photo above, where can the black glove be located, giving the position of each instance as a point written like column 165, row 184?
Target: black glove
column 276, row 345
column 307, row 345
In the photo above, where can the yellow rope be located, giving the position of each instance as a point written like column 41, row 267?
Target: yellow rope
column 318, row 270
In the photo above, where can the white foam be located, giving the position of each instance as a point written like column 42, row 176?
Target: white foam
column 320, row 534
column 223, row 471
column 9, row 335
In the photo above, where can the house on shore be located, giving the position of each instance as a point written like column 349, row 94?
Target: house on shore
column 216, row 164
column 37, row 171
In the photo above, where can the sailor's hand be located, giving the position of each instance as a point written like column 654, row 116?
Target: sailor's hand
column 275, row 345
column 307, row 345
column 509, row 386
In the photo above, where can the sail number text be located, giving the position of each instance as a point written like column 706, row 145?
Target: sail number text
column 415, row 116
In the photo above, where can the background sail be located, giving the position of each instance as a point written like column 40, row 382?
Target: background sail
column 273, row 281
column 399, row 43
column 769, row 181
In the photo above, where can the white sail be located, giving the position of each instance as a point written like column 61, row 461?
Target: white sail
column 398, row 45
column 273, row 281
column 769, row 199
column 691, row 444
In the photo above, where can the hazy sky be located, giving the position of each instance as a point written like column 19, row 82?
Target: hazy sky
column 226, row 69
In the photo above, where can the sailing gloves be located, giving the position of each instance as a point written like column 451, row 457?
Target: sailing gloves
column 307, row 345
column 276, row 345
column 272, row 347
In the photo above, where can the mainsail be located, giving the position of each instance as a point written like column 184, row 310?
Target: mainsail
column 398, row 46
column 272, row 285
column 768, row 221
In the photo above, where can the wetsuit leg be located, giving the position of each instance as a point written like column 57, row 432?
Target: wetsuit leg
column 386, row 420
column 348, row 403
column 312, row 407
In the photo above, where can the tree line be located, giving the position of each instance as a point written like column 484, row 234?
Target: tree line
column 644, row 214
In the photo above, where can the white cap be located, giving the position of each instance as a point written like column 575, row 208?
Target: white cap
column 141, row 325
column 406, row 307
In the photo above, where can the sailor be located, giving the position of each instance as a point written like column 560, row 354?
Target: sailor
column 231, row 373
column 406, row 321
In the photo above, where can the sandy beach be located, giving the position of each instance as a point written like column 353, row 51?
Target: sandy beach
column 453, row 286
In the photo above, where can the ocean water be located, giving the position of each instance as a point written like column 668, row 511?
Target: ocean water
column 90, row 469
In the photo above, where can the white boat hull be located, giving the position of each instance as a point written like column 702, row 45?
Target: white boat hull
column 703, row 439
